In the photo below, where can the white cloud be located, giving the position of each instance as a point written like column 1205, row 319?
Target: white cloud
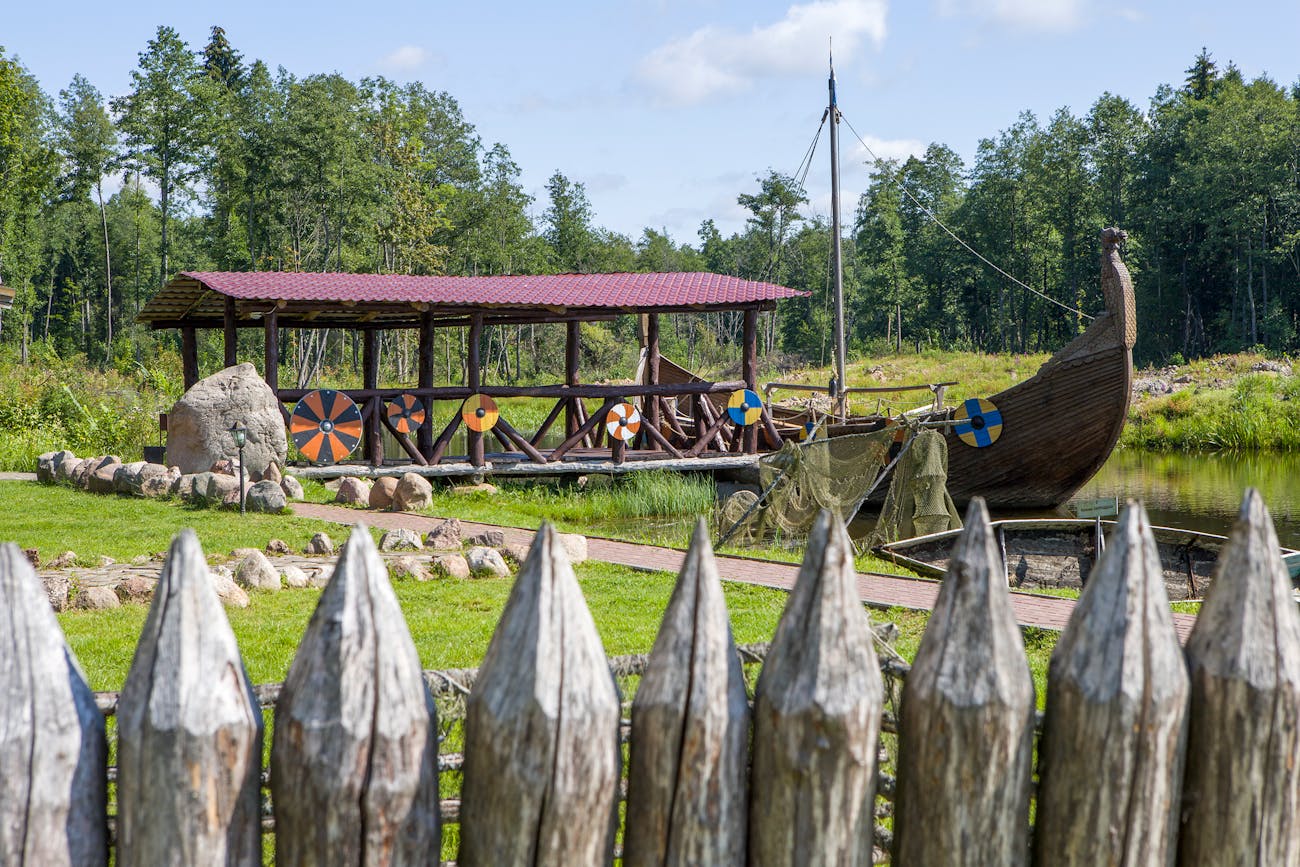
column 1050, row 15
column 405, row 58
column 717, row 60
column 885, row 149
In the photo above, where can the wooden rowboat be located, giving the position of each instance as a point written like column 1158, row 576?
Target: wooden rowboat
column 1047, row 554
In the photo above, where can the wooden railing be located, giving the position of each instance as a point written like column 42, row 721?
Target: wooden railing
column 1146, row 750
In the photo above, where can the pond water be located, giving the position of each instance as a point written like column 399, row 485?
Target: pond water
column 1203, row 491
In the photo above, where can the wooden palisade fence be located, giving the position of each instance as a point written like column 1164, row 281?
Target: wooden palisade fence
column 1150, row 754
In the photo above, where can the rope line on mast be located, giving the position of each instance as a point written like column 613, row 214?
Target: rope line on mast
column 940, row 223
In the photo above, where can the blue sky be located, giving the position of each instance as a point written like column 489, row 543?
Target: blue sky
column 666, row 109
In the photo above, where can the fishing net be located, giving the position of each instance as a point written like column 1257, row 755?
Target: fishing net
column 918, row 502
column 802, row 479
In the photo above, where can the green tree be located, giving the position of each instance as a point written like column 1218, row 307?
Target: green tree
column 569, row 232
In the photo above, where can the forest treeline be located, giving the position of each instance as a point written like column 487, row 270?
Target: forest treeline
column 213, row 162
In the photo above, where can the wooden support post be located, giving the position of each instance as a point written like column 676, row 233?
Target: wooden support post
column 189, row 730
column 814, row 772
column 1241, row 786
column 271, row 373
column 474, row 439
column 560, row 450
column 749, row 373
column 572, row 348
column 649, row 404
column 444, row 439
column 53, row 789
column 550, row 420
column 425, row 362
column 969, row 684
column 1110, row 760
column 354, row 756
column 617, row 450
column 373, row 443
column 520, row 441
column 231, row 334
column 690, row 730
column 546, row 707
column 189, row 356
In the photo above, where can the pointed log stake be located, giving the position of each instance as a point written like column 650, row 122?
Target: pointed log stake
column 52, row 749
column 189, row 730
column 1111, row 758
column 1241, row 790
column 354, row 776
column 817, row 717
column 542, row 759
column 690, row 730
column 967, row 720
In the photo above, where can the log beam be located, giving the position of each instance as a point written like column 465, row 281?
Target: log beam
column 474, row 375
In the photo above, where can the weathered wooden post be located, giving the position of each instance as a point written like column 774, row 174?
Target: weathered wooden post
column 52, row 749
column 817, row 717
column 1111, row 758
column 189, row 730
column 1241, row 790
column 690, row 730
column 354, row 773
column 967, row 720
column 542, row 757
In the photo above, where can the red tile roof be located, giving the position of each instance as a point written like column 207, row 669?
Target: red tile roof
column 679, row 289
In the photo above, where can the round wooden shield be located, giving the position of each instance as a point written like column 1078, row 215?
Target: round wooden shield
column 979, row 423
column 480, row 412
column 623, row 422
column 406, row 413
column 745, row 407
column 325, row 426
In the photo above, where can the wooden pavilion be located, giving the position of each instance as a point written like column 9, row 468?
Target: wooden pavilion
column 372, row 303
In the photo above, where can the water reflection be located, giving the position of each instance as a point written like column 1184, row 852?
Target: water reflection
column 1203, row 491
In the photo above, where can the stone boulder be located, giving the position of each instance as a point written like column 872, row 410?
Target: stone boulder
column 57, row 588
column 515, row 553
column 407, row 568
column 65, row 560
column 198, row 426
column 445, row 537
column 101, row 481
column 320, row 545
column 126, row 479
column 381, row 492
column 278, row 546
column 136, row 589
column 400, row 539
column 81, row 471
column 294, row 577
column 486, row 488
column 575, row 546
column 256, row 573
column 292, row 488
column 272, row 474
column 96, row 599
column 216, row 489
column 49, row 466
column 488, row 539
column 413, row 493
column 230, row 593
column 265, row 496
column 450, row 566
column 320, row 577
column 63, row 468
column 353, row 492
column 486, row 563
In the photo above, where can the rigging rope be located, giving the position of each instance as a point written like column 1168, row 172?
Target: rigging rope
column 940, row 223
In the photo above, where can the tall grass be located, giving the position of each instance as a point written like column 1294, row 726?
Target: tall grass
column 1259, row 412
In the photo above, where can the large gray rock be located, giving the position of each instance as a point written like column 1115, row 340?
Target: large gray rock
column 101, row 481
column 486, row 563
column 126, row 478
column 64, row 466
column 400, row 539
column 57, row 588
column 198, row 426
column 381, row 492
column 230, row 593
column 445, row 537
column 48, row 466
column 400, row 568
column 217, row 488
column 413, row 493
column 293, row 576
column 449, row 566
column 292, row 488
column 265, row 496
column 256, row 573
column 353, row 492
column 320, row 545
column 96, row 598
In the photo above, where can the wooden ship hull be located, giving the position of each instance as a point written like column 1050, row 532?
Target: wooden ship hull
column 1052, row 554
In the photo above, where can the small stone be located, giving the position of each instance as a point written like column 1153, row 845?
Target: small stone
column 575, row 546
column 272, row 473
column 256, row 573
column 266, row 496
column 141, row 560
column 65, row 560
column 449, row 566
column 155, row 487
column 488, row 539
column 381, row 492
column 486, row 563
column 320, row 545
column 104, row 561
column 292, row 488
column 223, row 467
column 240, row 553
column 407, row 567
column 413, row 493
column 57, row 588
column 293, row 576
column 45, row 468
column 136, row 589
column 353, row 492
column 483, row 488
column 278, row 546
column 230, row 593
column 320, row 577
column 446, row 536
column 515, row 553
column 96, row 599
column 400, row 539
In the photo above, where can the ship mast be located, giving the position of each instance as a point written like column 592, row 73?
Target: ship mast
column 836, row 267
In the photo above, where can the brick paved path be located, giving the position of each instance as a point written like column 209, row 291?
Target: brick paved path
column 877, row 590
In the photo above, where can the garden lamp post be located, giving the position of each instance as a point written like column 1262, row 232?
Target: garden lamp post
column 240, row 433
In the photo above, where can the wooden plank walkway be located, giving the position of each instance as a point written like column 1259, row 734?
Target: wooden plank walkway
column 876, row 589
